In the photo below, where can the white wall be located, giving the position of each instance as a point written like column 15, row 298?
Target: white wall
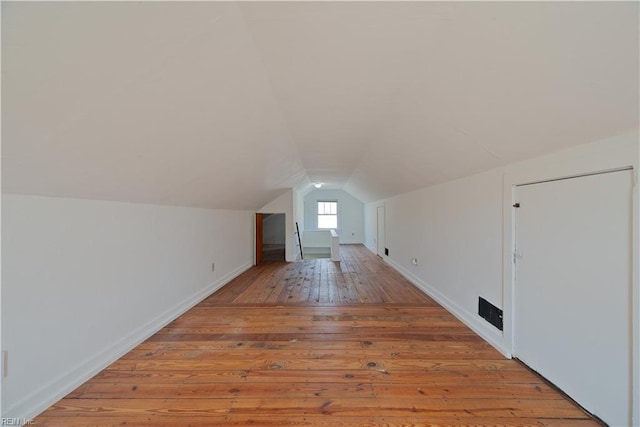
column 460, row 231
column 84, row 281
column 317, row 239
column 284, row 204
column 371, row 225
column 455, row 232
column 350, row 214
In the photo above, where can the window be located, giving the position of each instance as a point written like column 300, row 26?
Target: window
column 327, row 214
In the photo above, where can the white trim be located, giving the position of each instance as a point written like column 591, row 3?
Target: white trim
column 337, row 215
column 48, row 394
column 369, row 247
column 508, row 272
column 477, row 325
column 635, row 334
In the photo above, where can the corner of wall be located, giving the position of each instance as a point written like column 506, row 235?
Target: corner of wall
column 39, row 400
column 366, row 245
column 495, row 338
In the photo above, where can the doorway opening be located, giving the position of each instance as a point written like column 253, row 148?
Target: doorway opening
column 270, row 237
column 380, row 245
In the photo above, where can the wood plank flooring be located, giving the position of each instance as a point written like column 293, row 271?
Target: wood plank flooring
column 316, row 343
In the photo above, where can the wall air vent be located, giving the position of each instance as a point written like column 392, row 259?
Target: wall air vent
column 490, row 313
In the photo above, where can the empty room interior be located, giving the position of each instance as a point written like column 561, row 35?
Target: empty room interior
column 320, row 213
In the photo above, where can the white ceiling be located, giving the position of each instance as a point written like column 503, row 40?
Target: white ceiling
column 224, row 105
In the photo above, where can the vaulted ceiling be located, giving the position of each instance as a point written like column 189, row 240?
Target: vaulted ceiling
column 224, row 105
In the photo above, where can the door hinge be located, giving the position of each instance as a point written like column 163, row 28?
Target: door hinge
column 517, row 255
column 517, row 205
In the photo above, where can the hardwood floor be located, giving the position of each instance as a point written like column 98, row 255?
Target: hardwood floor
column 316, row 343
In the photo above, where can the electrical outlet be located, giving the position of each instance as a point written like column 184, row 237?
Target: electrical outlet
column 414, row 261
column 213, row 266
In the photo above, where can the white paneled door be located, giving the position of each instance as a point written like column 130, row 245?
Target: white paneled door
column 573, row 301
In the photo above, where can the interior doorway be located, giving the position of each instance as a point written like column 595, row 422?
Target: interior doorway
column 270, row 237
column 380, row 244
column 573, row 287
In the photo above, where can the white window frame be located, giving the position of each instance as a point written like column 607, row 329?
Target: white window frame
column 318, row 214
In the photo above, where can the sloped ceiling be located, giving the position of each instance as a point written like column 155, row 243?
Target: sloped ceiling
column 225, row 105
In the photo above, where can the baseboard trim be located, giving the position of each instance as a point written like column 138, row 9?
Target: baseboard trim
column 370, row 248
column 42, row 398
column 478, row 326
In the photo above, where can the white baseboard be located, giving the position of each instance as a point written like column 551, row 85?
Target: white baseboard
column 477, row 325
column 48, row 394
column 375, row 251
